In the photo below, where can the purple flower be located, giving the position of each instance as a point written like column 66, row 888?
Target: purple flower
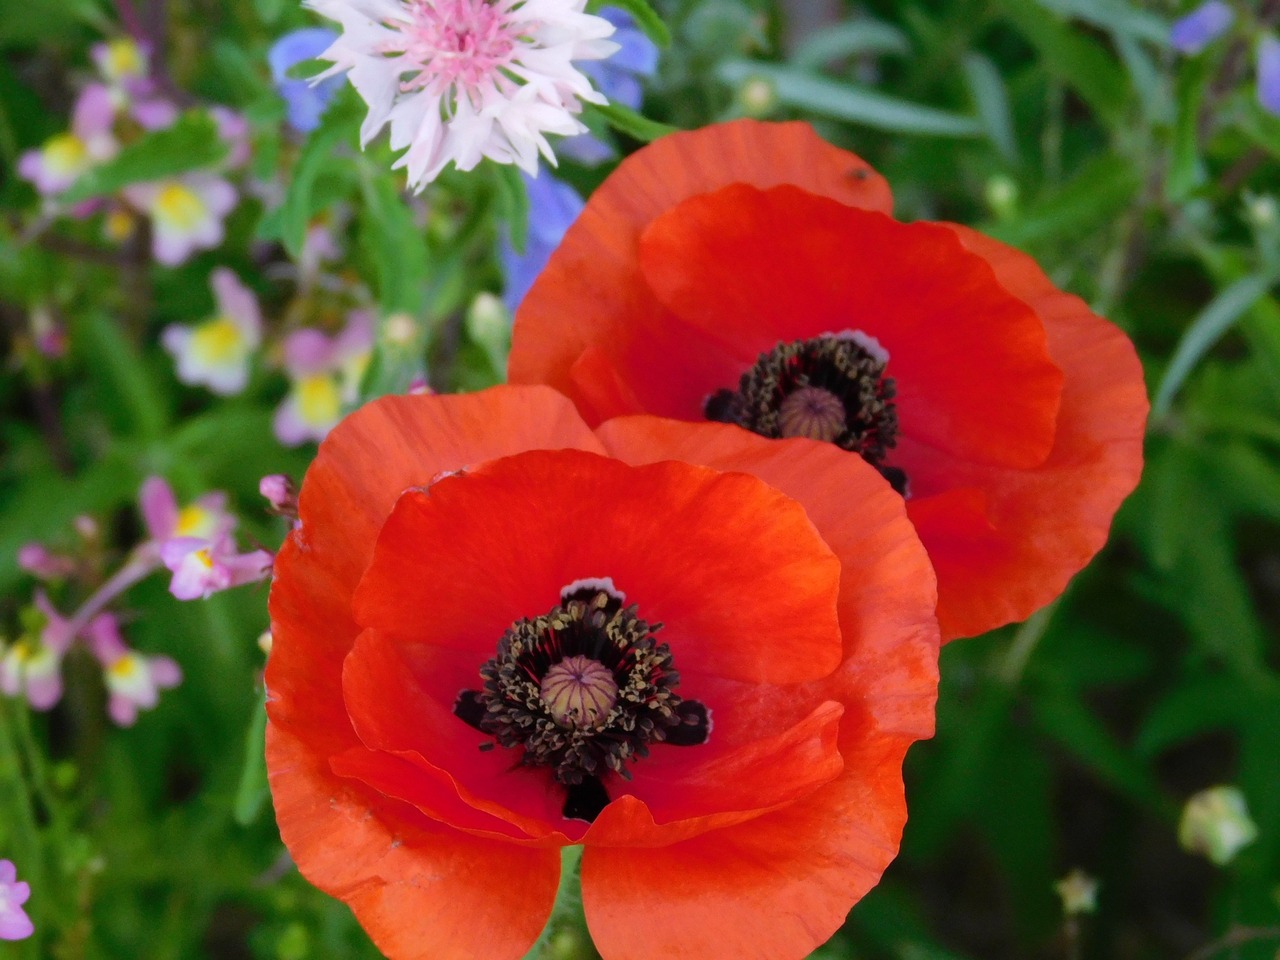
column 1201, row 26
column 217, row 351
column 553, row 206
column 14, row 922
column 39, row 561
column 133, row 680
column 1269, row 74
column 196, row 543
column 325, row 373
column 618, row 78
column 305, row 103
column 186, row 213
column 32, row 666
column 63, row 158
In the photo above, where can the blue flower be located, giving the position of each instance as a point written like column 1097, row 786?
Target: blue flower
column 1201, row 27
column 305, row 103
column 553, row 206
column 618, row 78
column 1269, row 74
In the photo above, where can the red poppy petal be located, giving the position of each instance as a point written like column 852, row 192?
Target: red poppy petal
column 363, row 466
column 1052, row 520
column 759, row 267
column 887, row 592
column 771, row 889
column 386, row 682
column 691, row 547
column 592, row 290
column 420, row 889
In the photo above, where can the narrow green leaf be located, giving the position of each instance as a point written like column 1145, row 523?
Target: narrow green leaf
column 843, row 101
column 1117, row 16
column 1187, row 171
column 1205, row 330
column 646, row 18
column 393, row 242
column 252, row 791
column 856, row 38
column 190, row 144
column 301, row 202
column 634, row 125
column 1068, row 721
column 986, row 86
column 513, row 203
column 1077, row 59
column 1094, row 196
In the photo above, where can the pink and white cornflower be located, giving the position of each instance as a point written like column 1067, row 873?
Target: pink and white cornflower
column 32, row 666
column 14, row 922
column 186, row 213
column 326, row 373
column 195, row 543
column 459, row 80
column 64, row 157
column 133, row 680
column 216, row 352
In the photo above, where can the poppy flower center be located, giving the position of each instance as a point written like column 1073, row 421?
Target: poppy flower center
column 583, row 689
column 830, row 388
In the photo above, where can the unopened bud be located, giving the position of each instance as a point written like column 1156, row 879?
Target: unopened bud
column 1215, row 823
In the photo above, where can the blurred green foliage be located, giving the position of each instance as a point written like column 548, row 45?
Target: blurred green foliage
column 1143, row 181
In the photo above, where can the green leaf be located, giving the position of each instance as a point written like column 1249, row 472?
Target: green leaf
column 100, row 340
column 303, row 201
column 986, row 86
column 843, row 101
column 252, row 793
column 646, row 18
column 1196, row 706
column 1104, row 187
column 856, row 38
column 395, row 245
column 1187, row 171
column 627, row 121
column 1064, row 718
column 1205, row 330
column 513, row 203
column 1114, row 15
column 1078, row 60
column 192, row 143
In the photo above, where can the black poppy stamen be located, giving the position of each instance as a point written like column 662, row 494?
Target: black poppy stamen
column 830, row 388
column 584, row 689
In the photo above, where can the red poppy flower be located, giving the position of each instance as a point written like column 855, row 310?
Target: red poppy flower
column 497, row 633
column 750, row 273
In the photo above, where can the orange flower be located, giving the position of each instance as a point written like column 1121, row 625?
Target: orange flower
column 497, row 633
column 750, row 273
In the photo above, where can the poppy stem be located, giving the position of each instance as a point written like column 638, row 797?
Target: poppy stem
column 565, row 936
column 1025, row 641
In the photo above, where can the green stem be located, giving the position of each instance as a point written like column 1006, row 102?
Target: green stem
column 1025, row 641
column 565, row 936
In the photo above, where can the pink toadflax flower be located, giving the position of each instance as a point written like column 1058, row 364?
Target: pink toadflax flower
column 66, row 156
column 186, row 213
column 32, row 666
column 133, row 680
column 196, row 543
column 216, row 352
column 41, row 562
column 459, row 80
column 14, row 922
column 326, row 374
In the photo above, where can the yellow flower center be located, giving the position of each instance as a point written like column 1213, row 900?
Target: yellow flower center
column 194, row 521
column 179, row 206
column 125, row 668
column 123, row 59
column 66, row 155
column 217, row 341
column 119, row 226
column 319, row 402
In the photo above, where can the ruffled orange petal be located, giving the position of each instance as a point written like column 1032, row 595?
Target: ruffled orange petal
column 771, row 889
column 420, row 889
column 1049, row 521
column 592, row 292
column 687, row 545
column 754, row 268
column 378, row 854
